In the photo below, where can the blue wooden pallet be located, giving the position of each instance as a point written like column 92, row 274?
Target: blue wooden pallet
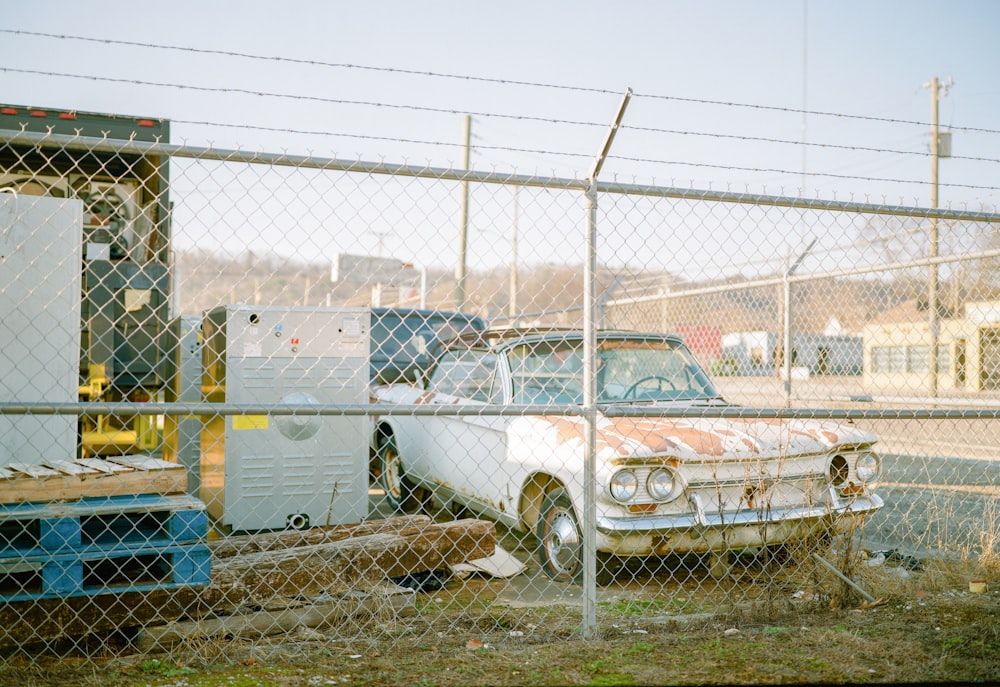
column 32, row 528
column 96, row 570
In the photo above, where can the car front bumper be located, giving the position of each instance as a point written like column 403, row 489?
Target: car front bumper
column 699, row 530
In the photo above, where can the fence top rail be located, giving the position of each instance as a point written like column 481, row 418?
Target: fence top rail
column 281, row 409
column 457, row 174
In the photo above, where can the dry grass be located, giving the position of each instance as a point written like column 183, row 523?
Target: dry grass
column 785, row 619
column 926, row 627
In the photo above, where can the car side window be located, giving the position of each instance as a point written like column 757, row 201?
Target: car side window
column 466, row 374
column 543, row 374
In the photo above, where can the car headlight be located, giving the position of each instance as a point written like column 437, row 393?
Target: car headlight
column 623, row 485
column 839, row 471
column 867, row 467
column 660, row 484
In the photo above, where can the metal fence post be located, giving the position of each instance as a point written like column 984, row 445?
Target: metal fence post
column 589, row 620
column 590, row 318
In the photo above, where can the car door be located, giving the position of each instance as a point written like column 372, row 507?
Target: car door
column 465, row 453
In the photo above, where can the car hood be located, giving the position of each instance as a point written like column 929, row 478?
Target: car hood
column 697, row 438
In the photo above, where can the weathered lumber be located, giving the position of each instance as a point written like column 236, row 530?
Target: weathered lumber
column 73, row 480
column 260, row 624
column 356, row 563
column 43, row 621
column 269, row 541
column 267, row 579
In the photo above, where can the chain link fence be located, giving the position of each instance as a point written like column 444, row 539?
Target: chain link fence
column 541, row 407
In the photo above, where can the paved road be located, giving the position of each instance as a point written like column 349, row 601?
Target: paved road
column 942, row 477
column 937, row 506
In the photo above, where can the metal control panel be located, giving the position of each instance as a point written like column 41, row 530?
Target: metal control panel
column 277, row 471
column 40, row 254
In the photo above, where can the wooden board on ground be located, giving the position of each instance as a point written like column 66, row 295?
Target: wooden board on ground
column 241, row 545
column 72, row 480
column 383, row 603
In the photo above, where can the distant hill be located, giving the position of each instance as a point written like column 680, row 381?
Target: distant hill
column 547, row 294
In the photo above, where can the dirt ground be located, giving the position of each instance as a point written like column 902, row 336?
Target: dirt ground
column 929, row 628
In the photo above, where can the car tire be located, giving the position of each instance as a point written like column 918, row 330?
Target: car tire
column 560, row 543
column 404, row 496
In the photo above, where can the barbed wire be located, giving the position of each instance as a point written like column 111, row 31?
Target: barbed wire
column 368, row 137
column 479, row 114
column 539, row 151
column 292, row 96
column 830, row 146
column 768, row 170
column 775, row 263
column 817, row 113
column 542, row 151
column 494, row 115
column 313, row 63
column 468, row 77
column 731, row 168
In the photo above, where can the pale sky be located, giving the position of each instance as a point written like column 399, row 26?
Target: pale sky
column 726, row 92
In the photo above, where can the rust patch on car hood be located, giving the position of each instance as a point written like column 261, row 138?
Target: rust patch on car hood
column 694, row 438
column 688, row 438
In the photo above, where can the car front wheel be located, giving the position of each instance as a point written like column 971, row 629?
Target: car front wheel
column 560, row 543
column 402, row 494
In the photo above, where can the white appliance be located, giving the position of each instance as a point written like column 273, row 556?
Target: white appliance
column 272, row 471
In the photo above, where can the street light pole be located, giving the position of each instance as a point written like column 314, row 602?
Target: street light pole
column 786, row 346
column 512, row 297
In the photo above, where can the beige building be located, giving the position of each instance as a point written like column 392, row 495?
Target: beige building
column 898, row 345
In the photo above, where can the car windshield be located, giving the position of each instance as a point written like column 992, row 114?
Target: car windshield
column 627, row 372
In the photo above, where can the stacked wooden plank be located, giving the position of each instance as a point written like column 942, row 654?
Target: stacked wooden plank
column 72, row 480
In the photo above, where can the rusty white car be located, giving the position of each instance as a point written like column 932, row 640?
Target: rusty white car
column 664, row 484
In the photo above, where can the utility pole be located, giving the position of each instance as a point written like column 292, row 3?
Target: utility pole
column 512, row 297
column 933, row 308
column 463, row 234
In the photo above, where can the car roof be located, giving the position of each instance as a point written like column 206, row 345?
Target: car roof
column 427, row 315
column 503, row 338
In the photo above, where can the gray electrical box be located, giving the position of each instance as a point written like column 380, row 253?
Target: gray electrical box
column 264, row 471
column 125, row 314
column 182, row 433
column 40, row 262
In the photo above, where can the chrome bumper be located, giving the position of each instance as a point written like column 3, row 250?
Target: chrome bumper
column 698, row 517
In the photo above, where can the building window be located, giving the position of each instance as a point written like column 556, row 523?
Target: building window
column 897, row 359
column 908, row 359
column 880, row 359
column 918, row 359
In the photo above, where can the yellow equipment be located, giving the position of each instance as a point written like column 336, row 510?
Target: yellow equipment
column 108, row 435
